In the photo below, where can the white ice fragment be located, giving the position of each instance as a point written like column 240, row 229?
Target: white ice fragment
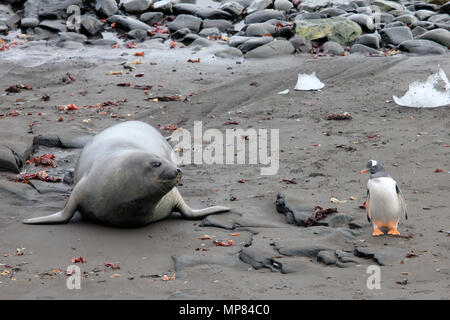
column 308, row 82
column 425, row 94
column 284, row 91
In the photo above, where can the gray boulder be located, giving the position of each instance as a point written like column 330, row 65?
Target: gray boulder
column 185, row 21
column 394, row 24
column 260, row 29
column 128, row 23
column 72, row 36
column 440, row 36
column 388, row 5
column 180, row 33
column 207, row 13
column 407, row 19
column 49, row 9
column 106, row 7
column 29, row 22
column 210, row 32
column 7, row 16
column 236, row 41
column 201, row 42
column 91, row 25
column 301, row 45
column 445, row 8
column 263, row 16
column 54, row 25
column 229, row 52
column 258, row 5
column 283, row 5
column 15, row 148
column 138, row 34
column 163, row 5
column 220, row 24
column 3, row 28
column 360, row 48
column 333, row 48
column 395, row 35
column 424, row 14
column 135, row 6
column 151, row 17
column 365, row 22
column 274, row 48
column 385, row 17
column 440, row 18
column 254, row 43
column 370, row 40
column 424, row 24
column 332, row 12
column 417, row 31
column 232, row 7
column 185, row 8
column 422, row 47
column 327, row 257
column 338, row 29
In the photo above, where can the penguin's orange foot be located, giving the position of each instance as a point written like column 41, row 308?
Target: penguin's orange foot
column 393, row 231
column 377, row 232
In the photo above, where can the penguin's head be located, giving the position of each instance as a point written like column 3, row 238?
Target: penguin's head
column 373, row 166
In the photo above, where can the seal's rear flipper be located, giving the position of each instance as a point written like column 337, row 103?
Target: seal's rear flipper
column 189, row 213
column 62, row 216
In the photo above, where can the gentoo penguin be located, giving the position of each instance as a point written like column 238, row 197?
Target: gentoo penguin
column 385, row 203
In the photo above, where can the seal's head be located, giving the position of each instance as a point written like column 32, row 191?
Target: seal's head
column 161, row 174
column 146, row 175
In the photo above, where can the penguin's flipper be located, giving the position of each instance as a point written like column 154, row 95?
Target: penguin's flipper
column 369, row 215
column 401, row 199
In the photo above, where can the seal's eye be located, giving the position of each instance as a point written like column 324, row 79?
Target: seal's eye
column 156, row 164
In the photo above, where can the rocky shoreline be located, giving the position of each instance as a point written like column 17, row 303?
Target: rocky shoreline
column 253, row 28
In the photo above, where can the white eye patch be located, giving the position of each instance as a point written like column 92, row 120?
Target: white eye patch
column 373, row 162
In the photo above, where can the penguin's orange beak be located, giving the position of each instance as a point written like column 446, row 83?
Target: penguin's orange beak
column 364, row 171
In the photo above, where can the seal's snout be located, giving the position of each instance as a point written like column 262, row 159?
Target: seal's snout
column 171, row 174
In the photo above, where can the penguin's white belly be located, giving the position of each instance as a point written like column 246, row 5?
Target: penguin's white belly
column 384, row 202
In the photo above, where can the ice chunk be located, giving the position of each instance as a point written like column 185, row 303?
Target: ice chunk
column 427, row 94
column 308, row 82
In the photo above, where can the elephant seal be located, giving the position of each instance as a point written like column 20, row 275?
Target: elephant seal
column 126, row 177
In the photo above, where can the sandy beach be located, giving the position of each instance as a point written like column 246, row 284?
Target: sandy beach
column 67, row 74
column 410, row 144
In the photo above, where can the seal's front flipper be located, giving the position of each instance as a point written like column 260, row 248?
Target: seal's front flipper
column 62, row 216
column 199, row 213
column 189, row 213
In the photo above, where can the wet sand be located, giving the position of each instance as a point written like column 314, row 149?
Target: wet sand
column 360, row 85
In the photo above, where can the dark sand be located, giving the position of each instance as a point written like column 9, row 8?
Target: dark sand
column 360, row 85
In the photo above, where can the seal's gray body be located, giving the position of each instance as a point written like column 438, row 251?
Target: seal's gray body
column 118, row 182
